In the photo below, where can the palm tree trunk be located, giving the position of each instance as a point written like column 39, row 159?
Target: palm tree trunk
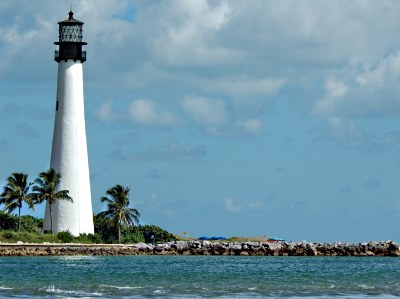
column 51, row 220
column 119, row 234
column 19, row 218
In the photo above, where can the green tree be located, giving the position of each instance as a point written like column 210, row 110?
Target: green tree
column 118, row 210
column 105, row 228
column 8, row 221
column 31, row 224
column 16, row 192
column 46, row 189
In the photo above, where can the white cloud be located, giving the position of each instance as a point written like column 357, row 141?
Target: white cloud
column 187, row 35
column 247, row 87
column 17, row 43
column 250, row 126
column 105, row 112
column 290, row 38
column 14, row 36
column 146, row 112
column 231, row 205
column 373, row 91
column 348, row 133
column 243, row 54
column 172, row 152
column 210, row 112
column 142, row 112
column 215, row 119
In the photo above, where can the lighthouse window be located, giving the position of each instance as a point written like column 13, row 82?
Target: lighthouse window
column 71, row 33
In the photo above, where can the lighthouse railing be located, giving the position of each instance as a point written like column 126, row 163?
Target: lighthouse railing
column 81, row 57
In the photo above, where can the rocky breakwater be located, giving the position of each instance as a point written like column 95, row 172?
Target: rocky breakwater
column 24, row 249
column 385, row 248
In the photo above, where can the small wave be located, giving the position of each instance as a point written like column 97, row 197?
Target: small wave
column 121, row 287
column 159, row 292
column 54, row 290
column 75, row 257
column 366, row 287
column 6, row 288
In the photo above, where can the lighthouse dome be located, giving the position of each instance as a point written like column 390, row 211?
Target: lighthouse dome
column 70, row 40
column 70, row 30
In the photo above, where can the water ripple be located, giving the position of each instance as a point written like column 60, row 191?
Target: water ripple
column 199, row 277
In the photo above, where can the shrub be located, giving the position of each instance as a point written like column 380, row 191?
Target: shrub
column 133, row 236
column 105, row 229
column 95, row 238
column 8, row 234
column 89, row 238
column 65, row 236
column 155, row 234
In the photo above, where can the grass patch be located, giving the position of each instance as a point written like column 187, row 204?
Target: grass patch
column 247, row 239
column 9, row 236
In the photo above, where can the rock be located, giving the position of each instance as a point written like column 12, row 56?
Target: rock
column 393, row 246
column 274, row 246
column 340, row 250
column 202, row 251
column 144, row 247
column 195, row 244
column 160, row 247
column 206, row 244
column 236, row 248
column 322, row 248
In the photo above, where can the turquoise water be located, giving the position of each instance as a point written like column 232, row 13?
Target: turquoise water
column 199, row 276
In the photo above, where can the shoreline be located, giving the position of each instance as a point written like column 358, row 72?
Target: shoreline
column 382, row 248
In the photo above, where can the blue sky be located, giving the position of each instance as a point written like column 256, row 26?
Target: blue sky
column 234, row 118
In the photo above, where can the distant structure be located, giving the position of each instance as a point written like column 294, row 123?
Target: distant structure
column 69, row 150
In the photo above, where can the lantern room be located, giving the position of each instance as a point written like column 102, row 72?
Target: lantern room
column 70, row 40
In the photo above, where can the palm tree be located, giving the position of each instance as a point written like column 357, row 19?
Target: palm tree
column 118, row 210
column 16, row 192
column 45, row 189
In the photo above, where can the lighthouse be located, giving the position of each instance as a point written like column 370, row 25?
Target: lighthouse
column 69, row 155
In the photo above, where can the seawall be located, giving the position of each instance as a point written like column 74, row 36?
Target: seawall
column 383, row 248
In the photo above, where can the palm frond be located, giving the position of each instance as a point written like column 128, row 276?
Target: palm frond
column 46, row 188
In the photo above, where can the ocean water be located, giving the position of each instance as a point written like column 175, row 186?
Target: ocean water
column 199, row 277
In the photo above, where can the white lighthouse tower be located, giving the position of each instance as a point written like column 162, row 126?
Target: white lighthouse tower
column 69, row 151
